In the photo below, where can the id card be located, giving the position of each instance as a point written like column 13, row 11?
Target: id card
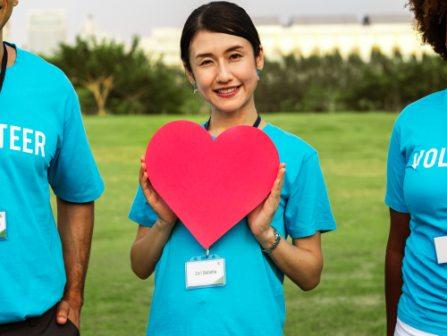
column 205, row 272
column 2, row 225
column 441, row 249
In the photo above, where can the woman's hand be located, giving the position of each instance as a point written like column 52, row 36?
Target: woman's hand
column 166, row 217
column 260, row 219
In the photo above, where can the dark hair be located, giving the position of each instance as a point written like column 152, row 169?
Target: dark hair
column 219, row 17
column 431, row 22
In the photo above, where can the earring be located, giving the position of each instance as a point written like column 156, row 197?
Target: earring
column 194, row 88
column 259, row 73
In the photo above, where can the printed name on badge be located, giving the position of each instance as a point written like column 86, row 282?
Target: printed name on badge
column 205, row 273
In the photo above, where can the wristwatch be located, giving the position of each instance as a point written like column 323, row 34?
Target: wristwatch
column 274, row 245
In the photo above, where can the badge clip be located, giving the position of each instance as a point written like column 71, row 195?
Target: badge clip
column 205, row 271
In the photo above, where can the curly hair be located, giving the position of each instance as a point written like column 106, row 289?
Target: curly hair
column 431, row 21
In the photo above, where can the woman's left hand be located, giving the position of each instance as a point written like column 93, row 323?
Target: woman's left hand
column 260, row 219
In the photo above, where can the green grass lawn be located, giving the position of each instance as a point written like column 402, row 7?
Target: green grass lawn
column 349, row 299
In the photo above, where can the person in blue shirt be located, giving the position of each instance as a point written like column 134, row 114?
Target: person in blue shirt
column 43, row 145
column 416, row 268
column 222, row 55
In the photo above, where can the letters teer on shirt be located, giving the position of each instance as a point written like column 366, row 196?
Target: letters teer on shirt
column 20, row 139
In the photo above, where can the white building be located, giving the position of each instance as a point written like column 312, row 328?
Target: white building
column 46, row 30
column 309, row 35
column 90, row 30
column 163, row 43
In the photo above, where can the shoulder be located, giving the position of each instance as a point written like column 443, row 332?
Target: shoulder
column 301, row 158
column 432, row 100
column 46, row 73
column 289, row 144
column 422, row 109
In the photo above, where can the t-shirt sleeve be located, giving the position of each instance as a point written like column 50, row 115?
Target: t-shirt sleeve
column 308, row 210
column 396, row 164
column 73, row 173
column 141, row 212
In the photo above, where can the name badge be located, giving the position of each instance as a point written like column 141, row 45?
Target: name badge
column 441, row 249
column 2, row 225
column 209, row 272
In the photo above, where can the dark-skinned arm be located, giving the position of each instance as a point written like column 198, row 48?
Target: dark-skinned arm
column 399, row 232
column 75, row 224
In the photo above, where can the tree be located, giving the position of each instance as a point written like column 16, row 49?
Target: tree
column 91, row 65
column 121, row 81
column 112, row 78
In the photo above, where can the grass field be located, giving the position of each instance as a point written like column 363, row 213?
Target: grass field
column 349, row 300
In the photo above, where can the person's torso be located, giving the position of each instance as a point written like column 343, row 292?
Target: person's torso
column 31, row 122
column 252, row 301
column 424, row 144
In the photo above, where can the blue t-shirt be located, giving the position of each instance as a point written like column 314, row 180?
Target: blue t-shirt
column 417, row 184
column 252, row 301
column 42, row 144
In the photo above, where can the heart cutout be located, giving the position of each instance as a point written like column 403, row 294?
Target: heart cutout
column 211, row 185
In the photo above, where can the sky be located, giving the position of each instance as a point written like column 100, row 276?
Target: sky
column 124, row 18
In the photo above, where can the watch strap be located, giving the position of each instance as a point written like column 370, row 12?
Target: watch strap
column 275, row 243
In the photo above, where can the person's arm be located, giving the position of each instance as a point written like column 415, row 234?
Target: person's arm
column 75, row 224
column 399, row 232
column 301, row 261
column 149, row 242
column 148, row 247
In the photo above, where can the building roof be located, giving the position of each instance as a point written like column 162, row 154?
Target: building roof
column 267, row 21
column 389, row 18
column 324, row 19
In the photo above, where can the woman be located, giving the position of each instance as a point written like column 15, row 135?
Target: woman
column 222, row 55
column 416, row 270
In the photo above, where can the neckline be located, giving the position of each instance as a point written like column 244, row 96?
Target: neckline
column 18, row 56
column 265, row 129
column 256, row 124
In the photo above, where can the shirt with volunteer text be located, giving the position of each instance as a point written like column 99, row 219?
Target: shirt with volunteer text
column 417, row 184
column 43, row 146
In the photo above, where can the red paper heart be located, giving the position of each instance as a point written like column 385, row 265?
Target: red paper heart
column 211, row 184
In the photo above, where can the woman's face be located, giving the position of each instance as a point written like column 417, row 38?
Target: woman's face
column 224, row 69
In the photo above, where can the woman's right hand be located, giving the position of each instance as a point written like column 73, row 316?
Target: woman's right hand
column 166, row 216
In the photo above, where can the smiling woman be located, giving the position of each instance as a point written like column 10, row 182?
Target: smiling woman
column 225, row 73
column 223, row 56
